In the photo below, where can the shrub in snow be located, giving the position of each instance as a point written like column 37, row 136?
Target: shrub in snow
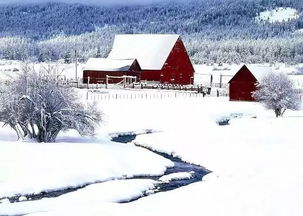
column 35, row 105
column 276, row 92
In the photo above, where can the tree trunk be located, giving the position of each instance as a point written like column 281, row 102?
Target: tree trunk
column 283, row 112
column 26, row 131
column 15, row 129
column 278, row 112
column 54, row 135
column 33, row 130
column 41, row 135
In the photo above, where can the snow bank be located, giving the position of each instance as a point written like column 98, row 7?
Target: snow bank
column 28, row 168
column 113, row 191
column 176, row 176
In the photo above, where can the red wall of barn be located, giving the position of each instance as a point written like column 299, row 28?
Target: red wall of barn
column 151, row 75
column 100, row 76
column 242, row 85
column 177, row 69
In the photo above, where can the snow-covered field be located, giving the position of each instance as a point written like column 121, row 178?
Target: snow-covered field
column 280, row 14
column 225, row 72
column 28, row 168
column 255, row 162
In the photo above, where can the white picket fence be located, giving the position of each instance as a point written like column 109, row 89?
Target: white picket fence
column 96, row 96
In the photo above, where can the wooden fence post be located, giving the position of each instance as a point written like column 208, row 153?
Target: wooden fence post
column 211, row 80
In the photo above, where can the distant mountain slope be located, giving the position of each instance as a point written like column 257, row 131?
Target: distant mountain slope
column 214, row 18
column 213, row 30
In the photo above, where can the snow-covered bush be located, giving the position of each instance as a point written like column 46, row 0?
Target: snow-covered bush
column 35, row 105
column 276, row 92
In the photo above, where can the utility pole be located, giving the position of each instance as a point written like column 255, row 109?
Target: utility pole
column 76, row 65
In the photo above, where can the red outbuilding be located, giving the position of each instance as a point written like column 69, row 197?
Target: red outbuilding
column 98, row 70
column 244, row 82
column 162, row 57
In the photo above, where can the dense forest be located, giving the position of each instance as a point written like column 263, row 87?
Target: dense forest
column 213, row 30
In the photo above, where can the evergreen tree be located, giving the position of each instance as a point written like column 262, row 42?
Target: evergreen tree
column 98, row 54
column 67, row 58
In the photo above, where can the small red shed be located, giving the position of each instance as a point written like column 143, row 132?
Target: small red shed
column 243, row 83
column 163, row 57
column 96, row 70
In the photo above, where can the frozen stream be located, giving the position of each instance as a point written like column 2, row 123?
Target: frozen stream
column 181, row 174
column 196, row 172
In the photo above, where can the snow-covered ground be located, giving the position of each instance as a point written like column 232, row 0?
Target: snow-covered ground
column 255, row 161
column 280, row 14
column 225, row 72
column 9, row 69
column 28, row 167
column 176, row 176
column 108, row 192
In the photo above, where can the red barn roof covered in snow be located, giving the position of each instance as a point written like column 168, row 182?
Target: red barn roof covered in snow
column 105, row 64
column 96, row 70
column 151, row 50
column 162, row 57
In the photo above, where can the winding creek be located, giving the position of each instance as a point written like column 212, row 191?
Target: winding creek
column 195, row 172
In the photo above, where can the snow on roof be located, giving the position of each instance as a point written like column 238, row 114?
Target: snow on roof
column 104, row 64
column 259, row 71
column 151, row 50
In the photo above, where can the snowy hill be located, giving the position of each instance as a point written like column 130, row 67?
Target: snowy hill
column 278, row 15
column 49, row 31
column 212, row 18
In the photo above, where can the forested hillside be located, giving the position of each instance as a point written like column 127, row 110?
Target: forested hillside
column 213, row 30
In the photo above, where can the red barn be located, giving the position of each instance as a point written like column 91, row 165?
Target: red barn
column 96, row 70
column 162, row 57
column 244, row 82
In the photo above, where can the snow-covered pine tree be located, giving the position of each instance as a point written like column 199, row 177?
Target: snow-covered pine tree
column 36, row 106
column 67, row 58
column 98, row 54
column 276, row 91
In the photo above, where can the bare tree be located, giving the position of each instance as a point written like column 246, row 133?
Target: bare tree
column 276, row 91
column 35, row 105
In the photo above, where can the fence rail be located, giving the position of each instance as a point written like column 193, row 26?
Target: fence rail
column 96, row 96
column 80, row 84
